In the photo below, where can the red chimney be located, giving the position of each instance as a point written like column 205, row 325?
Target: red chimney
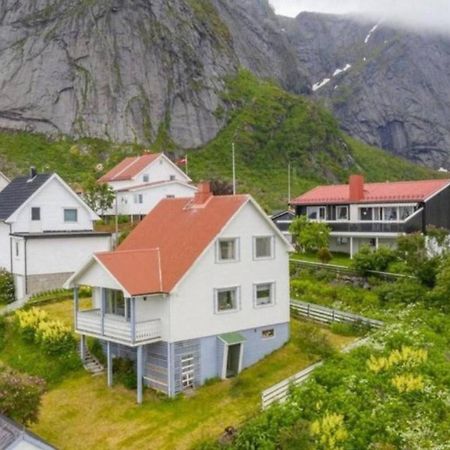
column 203, row 194
column 356, row 188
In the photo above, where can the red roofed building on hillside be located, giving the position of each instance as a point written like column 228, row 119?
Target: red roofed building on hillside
column 376, row 214
column 199, row 289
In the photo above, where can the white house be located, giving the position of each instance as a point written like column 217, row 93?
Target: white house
column 4, row 181
column 140, row 182
column 46, row 232
column 200, row 289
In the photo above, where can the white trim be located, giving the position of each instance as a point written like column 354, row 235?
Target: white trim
column 237, row 250
column 270, row 337
column 155, row 185
column 162, row 155
column 2, row 175
column 216, row 300
column 70, row 209
column 272, row 247
column 272, row 294
column 225, row 360
column 367, row 234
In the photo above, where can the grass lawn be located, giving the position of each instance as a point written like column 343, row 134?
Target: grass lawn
column 81, row 412
column 339, row 259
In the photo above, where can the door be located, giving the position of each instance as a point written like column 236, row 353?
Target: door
column 233, row 360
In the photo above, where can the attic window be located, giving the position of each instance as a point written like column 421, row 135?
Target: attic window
column 146, row 178
column 70, row 215
column 35, row 214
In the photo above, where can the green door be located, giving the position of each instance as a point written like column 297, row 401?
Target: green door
column 234, row 356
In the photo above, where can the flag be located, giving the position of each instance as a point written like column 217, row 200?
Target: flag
column 182, row 161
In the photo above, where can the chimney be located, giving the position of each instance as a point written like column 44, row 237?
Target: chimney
column 356, row 188
column 203, row 194
column 33, row 172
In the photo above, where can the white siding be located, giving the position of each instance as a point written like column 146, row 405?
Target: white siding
column 96, row 276
column 193, row 304
column 155, row 307
column 52, row 199
column 5, row 261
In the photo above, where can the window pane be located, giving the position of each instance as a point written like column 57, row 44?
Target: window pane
column 268, row 333
column 342, row 212
column 264, row 294
column 390, row 213
column 35, row 213
column 227, row 249
column 226, row 300
column 70, row 215
column 263, row 247
column 405, row 212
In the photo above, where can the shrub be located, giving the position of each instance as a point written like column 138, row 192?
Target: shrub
column 324, row 255
column 402, row 291
column 20, row 395
column 313, row 340
column 7, row 289
column 124, row 372
column 347, row 329
column 367, row 260
column 55, row 338
column 28, row 321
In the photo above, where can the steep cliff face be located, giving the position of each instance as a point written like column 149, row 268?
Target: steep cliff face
column 388, row 87
column 123, row 70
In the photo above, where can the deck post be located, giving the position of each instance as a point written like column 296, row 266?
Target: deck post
column 103, row 309
column 377, row 243
column 75, row 307
column 83, row 347
column 140, row 374
column 133, row 319
column 109, row 364
column 351, row 248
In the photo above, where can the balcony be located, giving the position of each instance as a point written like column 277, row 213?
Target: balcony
column 368, row 227
column 117, row 328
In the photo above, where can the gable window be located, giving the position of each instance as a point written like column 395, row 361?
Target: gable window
column 172, row 178
column 138, row 198
column 227, row 299
column 263, row 247
column 70, row 215
column 268, row 334
column 227, row 249
column 146, row 178
column 264, row 294
column 17, row 248
column 342, row 213
column 35, row 214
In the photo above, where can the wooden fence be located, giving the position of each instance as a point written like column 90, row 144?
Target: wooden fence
column 328, row 315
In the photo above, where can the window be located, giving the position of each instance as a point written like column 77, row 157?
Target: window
column 316, row 212
column 342, row 213
column 146, row 178
column 70, row 215
column 35, row 214
column 172, row 178
column 342, row 240
column 263, row 247
column 269, row 333
column 227, row 249
column 17, row 248
column 116, row 304
column 406, row 211
column 170, row 196
column 138, row 198
column 390, row 213
column 264, row 294
column 187, row 371
column 227, row 299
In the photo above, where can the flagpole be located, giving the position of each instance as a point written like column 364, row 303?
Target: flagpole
column 234, row 169
column 187, row 169
column 289, row 181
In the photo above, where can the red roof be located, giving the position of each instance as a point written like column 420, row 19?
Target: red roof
column 402, row 191
column 129, row 167
column 162, row 248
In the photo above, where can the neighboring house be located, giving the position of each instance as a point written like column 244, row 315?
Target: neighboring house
column 46, row 232
column 15, row 437
column 200, row 289
column 282, row 221
column 4, row 181
column 140, row 182
column 376, row 213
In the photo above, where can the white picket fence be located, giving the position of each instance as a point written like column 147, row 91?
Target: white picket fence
column 328, row 315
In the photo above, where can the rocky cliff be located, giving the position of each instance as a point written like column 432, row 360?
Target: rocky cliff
column 388, row 87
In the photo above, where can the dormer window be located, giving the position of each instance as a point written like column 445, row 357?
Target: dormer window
column 227, row 250
column 35, row 214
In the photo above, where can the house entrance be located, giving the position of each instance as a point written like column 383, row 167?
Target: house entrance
column 233, row 360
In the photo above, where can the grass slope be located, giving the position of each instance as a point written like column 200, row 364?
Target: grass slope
column 269, row 127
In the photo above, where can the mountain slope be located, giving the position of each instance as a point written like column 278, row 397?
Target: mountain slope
column 388, row 87
column 270, row 128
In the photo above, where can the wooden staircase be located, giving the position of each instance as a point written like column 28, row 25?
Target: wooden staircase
column 92, row 364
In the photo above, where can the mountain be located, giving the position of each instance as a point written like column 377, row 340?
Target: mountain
column 387, row 86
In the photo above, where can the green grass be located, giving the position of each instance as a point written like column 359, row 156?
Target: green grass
column 79, row 411
column 269, row 127
column 339, row 259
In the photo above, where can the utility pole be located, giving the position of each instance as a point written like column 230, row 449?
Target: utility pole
column 187, row 168
column 234, row 169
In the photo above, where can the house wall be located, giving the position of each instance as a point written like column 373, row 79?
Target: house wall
column 5, row 255
column 97, row 277
column 437, row 211
column 193, row 301
column 53, row 198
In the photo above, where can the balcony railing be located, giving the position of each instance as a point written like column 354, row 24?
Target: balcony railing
column 369, row 227
column 117, row 328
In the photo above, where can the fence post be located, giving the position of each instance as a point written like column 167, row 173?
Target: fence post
column 308, row 309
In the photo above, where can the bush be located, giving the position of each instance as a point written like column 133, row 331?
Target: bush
column 28, row 321
column 124, row 372
column 313, row 340
column 20, row 395
column 402, row 291
column 324, row 255
column 379, row 260
column 349, row 329
column 7, row 289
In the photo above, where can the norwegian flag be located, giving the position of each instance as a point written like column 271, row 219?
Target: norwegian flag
column 182, row 161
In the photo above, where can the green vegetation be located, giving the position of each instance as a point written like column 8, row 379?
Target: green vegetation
column 269, row 127
column 7, row 289
column 310, row 236
column 338, row 259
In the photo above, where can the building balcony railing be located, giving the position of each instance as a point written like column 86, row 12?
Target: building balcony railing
column 117, row 328
column 369, row 227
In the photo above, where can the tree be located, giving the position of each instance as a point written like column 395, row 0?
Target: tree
column 324, row 255
column 100, row 197
column 20, row 395
column 310, row 236
column 7, row 289
column 367, row 259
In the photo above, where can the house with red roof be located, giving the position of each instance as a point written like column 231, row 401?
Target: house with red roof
column 140, row 182
column 376, row 214
column 199, row 289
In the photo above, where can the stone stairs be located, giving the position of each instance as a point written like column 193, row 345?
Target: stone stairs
column 92, row 364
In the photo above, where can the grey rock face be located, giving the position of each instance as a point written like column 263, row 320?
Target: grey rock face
column 395, row 95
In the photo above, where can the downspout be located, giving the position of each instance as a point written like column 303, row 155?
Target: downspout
column 26, row 269
column 424, row 218
column 10, row 249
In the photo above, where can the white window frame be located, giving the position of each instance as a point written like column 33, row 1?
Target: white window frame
column 272, row 292
column 272, row 247
column 339, row 208
column 70, row 209
column 267, row 338
column 138, row 199
column 237, row 250
column 238, row 300
column 36, row 208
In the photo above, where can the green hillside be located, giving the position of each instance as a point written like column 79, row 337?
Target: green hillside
column 269, row 127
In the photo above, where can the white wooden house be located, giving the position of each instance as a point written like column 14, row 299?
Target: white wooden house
column 200, row 289
column 4, row 181
column 141, row 182
column 46, row 232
